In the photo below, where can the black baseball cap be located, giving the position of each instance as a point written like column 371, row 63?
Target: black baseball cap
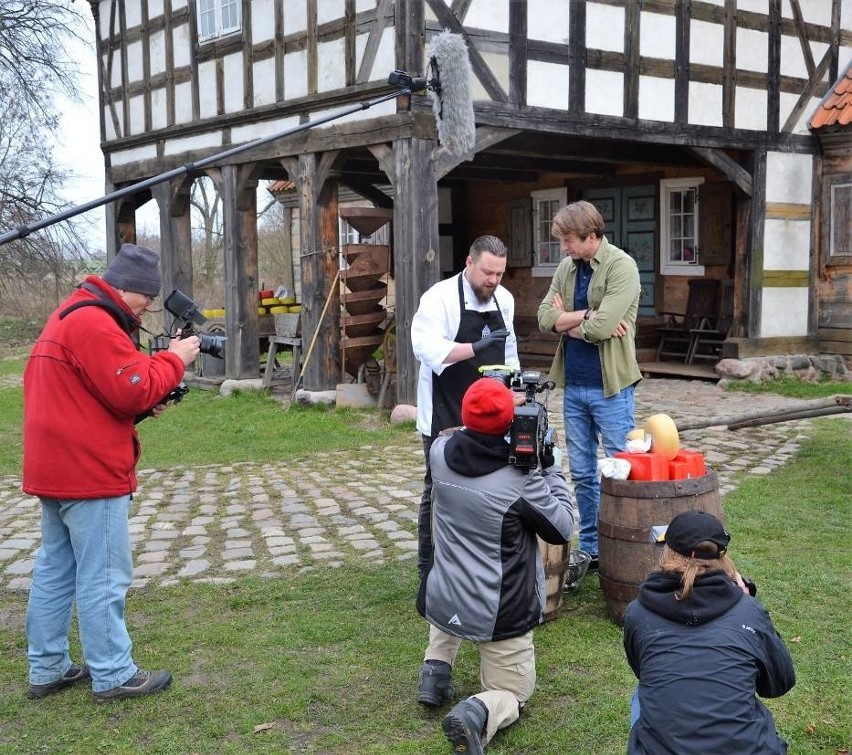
column 690, row 528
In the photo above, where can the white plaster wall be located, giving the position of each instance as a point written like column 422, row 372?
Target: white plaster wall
column 814, row 11
column 181, row 45
column 750, row 108
column 263, row 78
column 155, row 8
column 752, row 50
column 784, row 312
column 191, row 143
column 328, row 10
column 126, row 156
column 177, row 4
column 786, row 103
column 788, row 178
column 262, row 17
column 331, row 73
column 499, row 65
column 656, row 98
column 183, row 102
column 705, row 104
column 132, row 14
column 548, row 20
column 252, row 131
column 489, row 14
column 757, row 6
column 295, row 17
column 115, row 79
column 657, row 36
column 604, row 92
column 109, row 129
column 792, row 58
column 362, row 5
column 608, row 25
column 134, row 62
column 786, row 244
column 137, row 115
column 234, row 87
column 295, row 74
column 547, row 84
column 157, row 43
column 207, row 89
column 159, row 117
column 706, row 43
column 384, row 62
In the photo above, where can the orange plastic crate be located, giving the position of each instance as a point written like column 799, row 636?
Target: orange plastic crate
column 647, row 467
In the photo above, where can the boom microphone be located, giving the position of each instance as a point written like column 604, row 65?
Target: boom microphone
column 449, row 88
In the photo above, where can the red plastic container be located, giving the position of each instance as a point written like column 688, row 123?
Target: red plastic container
column 647, row 467
column 694, row 462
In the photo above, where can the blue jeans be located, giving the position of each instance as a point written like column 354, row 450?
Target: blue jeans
column 85, row 554
column 591, row 419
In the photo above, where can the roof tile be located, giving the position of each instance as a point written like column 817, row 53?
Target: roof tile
column 836, row 107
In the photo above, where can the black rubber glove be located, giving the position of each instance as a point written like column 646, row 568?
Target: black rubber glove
column 494, row 337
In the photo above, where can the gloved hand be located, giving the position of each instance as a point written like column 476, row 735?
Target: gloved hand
column 557, row 457
column 494, row 337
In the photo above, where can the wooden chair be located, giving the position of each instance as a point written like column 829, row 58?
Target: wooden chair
column 676, row 332
column 706, row 344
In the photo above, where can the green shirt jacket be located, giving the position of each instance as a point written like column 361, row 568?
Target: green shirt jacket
column 614, row 295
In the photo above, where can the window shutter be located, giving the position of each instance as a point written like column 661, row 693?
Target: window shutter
column 519, row 226
column 715, row 217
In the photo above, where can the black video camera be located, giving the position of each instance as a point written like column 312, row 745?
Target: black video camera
column 186, row 313
column 531, row 440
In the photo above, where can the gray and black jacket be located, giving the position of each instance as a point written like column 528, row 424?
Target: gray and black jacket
column 486, row 581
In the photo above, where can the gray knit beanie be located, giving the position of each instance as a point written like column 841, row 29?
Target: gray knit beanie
column 134, row 268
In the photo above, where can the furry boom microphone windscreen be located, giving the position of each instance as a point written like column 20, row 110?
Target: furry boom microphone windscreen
column 449, row 88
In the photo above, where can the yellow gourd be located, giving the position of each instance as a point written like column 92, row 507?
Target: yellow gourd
column 664, row 435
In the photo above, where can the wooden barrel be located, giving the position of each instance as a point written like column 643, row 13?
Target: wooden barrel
column 555, row 558
column 629, row 511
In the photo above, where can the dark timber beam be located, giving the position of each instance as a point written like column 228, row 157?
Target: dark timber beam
column 723, row 162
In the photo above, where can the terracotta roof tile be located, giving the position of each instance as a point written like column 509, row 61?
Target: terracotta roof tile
column 836, row 107
column 280, row 187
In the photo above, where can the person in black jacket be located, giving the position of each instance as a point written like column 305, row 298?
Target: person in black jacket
column 485, row 582
column 701, row 647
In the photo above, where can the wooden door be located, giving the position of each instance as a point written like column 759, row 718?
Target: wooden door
column 630, row 222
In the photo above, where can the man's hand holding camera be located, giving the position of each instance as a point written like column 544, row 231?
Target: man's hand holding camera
column 186, row 348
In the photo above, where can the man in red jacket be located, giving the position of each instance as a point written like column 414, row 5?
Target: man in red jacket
column 86, row 384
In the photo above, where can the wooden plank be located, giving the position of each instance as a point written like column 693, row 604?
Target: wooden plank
column 518, row 52
column 740, row 348
column 729, row 65
column 773, row 112
column 729, row 167
column 632, row 60
column 248, row 56
column 677, row 369
column 682, row 68
column 788, row 211
column 786, row 278
column 754, row 281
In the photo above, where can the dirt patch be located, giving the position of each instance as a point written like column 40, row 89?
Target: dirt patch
column 12, row 610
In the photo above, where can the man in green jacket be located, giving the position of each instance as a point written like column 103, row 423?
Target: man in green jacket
column 592, row 302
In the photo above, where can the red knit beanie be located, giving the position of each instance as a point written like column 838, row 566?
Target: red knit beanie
column 488, row 407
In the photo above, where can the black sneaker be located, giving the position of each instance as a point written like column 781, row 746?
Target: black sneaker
column 593, row 564
column 74, row 674
column 464, row 724
column 141, row 683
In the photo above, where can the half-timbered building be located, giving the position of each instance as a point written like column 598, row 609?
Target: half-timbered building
column 685, row 121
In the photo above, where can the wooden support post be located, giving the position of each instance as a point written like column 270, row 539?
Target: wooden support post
column 415, row 248
column 320, row 265
column 175, row 236
column 239, row 203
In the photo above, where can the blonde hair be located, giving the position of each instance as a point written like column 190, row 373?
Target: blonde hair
column 578, row 219
column 692, row 568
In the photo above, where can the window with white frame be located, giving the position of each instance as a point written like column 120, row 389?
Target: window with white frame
column 679, row 243
column 216, row 18
column 545, row 204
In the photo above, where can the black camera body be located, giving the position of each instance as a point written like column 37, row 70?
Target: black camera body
column 531, row 440
column 186, row 314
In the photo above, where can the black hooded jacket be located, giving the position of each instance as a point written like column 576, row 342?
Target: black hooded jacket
column 700, row 662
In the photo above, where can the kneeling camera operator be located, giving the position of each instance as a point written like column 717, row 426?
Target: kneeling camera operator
column 531, row 439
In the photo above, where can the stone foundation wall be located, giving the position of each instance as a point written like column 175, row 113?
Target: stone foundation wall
column 810, row 367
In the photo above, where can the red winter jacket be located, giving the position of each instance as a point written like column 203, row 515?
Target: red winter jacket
column 84, row 385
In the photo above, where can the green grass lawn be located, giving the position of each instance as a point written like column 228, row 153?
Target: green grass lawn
column 326, row 661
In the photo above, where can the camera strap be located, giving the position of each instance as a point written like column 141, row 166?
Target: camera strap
column 124, row 320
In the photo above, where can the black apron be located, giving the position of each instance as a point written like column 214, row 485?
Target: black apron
column 449, row 387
